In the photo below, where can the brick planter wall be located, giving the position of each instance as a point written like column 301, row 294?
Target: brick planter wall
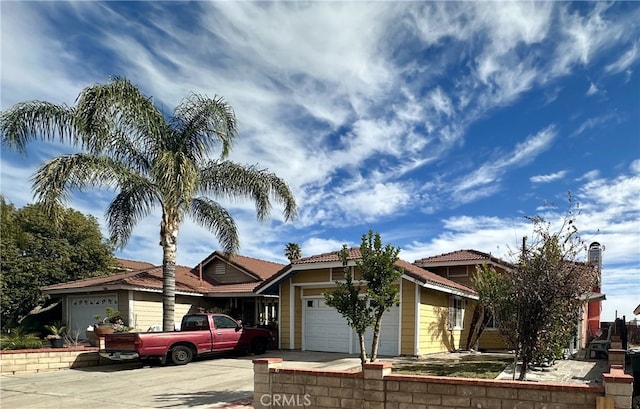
column 378, row 388
column 49, row 359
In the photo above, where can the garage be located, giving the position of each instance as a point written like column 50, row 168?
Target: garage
column 83, row 309
column 326, row 330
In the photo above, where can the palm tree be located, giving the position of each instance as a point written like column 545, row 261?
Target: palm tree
column 292, row 251
column 151, row 161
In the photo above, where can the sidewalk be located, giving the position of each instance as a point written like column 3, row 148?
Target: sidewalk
column 577, row 370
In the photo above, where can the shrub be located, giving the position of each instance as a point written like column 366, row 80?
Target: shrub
column 16, row 339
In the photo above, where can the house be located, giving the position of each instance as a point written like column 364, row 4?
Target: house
column 459, row 266
column 430, row 316
column 219, row 283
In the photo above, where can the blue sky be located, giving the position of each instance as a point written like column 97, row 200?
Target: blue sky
column 439, row 125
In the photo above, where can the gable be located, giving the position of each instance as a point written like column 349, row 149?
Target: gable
column 220, row 272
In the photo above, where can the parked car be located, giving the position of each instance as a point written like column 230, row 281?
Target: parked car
column 199, row 334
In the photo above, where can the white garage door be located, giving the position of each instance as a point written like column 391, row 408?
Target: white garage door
column 83, row 309
column 389, row 333
column 326, row 330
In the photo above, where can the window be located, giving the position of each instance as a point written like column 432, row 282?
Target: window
column 224, row 322
column 195, row 323
column 456, row 313
column 493, row 322
column 310, row 303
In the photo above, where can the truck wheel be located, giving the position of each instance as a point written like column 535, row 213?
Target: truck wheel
column 259, row 346
column 181, row 355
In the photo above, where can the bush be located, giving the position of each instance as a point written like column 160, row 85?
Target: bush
column 16, row 339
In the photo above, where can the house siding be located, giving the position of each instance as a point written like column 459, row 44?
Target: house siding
column 231, row 275
column 285, row 333
column 435, row 335
column 147, row 309
column 407, row 318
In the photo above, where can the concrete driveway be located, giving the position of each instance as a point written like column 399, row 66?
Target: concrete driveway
column 205, row 383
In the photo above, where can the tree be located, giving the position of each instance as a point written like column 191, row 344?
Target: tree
column 538, row 315
column 366, row 309
column 37, row 252
column 377, row 269
column 150, row 161
column 292, row 251
column 493, row 291
column 352, row 304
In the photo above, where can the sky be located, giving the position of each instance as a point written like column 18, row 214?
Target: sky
column 439, row 125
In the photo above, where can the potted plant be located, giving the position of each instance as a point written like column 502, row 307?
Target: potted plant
column 113, row 322
column 57, row 332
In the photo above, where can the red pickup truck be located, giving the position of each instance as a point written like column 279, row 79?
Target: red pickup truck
column 199, row 334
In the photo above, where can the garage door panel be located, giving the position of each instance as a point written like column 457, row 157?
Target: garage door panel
column 326, row 330
column 83, row 309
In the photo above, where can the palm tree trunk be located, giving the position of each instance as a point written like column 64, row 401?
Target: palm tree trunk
column 168, row 241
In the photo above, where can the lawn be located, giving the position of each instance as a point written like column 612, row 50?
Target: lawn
column 474, row 367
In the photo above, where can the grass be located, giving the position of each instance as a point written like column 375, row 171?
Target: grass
column 488, row 368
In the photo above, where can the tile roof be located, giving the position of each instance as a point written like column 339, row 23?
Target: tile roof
column 459, row 256
column 261, row 268
column 132, row 265
column 150, row 278
column 187, row 279
column 411, row 270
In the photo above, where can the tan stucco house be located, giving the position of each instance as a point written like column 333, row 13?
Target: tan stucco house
column 429, row 318
column 219, row 283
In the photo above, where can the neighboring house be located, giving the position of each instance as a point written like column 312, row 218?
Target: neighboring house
column 430, row 316
column 218, row 283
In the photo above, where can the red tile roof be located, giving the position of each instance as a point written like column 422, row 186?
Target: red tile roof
column 417, row 273
column 150, row 278
column 187, row 279
column 460, row 256
column 260, row 268
column 132, row 265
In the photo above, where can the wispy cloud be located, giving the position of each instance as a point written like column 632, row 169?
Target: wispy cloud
column 548, row 178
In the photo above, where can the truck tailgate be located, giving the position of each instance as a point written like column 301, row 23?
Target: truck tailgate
column 125, row 341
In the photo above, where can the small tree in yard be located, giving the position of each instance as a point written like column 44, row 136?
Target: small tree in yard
column 365, row 309
column 539, row 313
column 349, row 300
column 493, row 291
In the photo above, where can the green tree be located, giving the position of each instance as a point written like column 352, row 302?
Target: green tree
column 150, row 161
column 493, row 292
column 364, row 309
column 540, row 312
column 292, row 251
column 377, row 269
column 352, row 303
column 37, row 252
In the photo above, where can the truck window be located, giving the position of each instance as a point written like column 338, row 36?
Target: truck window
column 196, row 323
column 224, row 322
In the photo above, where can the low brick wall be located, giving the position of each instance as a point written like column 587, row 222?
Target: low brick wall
column 49, row 359
column 377, row 388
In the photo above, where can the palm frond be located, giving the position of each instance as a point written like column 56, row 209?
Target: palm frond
column 37, row 119
column 116, row 110
column 233, row 181
column 203, row 123
column 53, row 181
column 217, row 220
column 133, row 203
column 176, row 177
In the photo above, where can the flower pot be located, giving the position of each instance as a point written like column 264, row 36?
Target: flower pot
column 103, row 329
column 56, row 342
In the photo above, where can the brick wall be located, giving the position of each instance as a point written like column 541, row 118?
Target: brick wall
column 377, row 388
column 49, row 359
